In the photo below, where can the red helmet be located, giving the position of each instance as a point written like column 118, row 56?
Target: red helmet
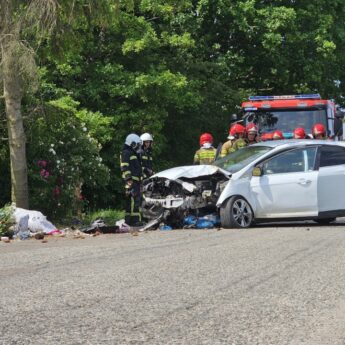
column 252, row 127
column 231, row 131
column 299, row 133
column 277, row 135
column 318, row 128
column 266, row 136
column 206, row 138
column 238, row 129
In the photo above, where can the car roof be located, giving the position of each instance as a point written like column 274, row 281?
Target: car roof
column 298, row 142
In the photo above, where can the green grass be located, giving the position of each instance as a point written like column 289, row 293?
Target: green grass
column 109, row 216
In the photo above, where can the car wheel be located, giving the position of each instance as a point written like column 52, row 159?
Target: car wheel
column 325, row 221
column 236, row 213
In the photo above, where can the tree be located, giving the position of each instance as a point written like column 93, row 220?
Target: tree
column 23, row 26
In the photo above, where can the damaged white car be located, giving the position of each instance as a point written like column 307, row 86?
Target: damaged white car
column 269, row 181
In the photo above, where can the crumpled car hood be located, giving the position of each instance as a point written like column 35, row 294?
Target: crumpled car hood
column 191, row 171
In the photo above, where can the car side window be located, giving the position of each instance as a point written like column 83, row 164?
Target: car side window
column 299, row 160
column 332, row 155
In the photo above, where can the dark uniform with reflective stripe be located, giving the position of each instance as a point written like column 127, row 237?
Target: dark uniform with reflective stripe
column 146, row 162
column 132, row 171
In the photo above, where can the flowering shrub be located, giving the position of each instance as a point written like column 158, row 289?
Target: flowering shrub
column 63, row 158
column 6, row 220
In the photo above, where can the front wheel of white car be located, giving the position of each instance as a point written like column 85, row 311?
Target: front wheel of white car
column 236, row 213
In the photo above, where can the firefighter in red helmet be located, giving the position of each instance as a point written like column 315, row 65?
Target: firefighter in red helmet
column 207, row 153
column 277, row 135
column 252, row 133
column 319, row 131
column 299, row 133
column 228, row 144
column 240, row 133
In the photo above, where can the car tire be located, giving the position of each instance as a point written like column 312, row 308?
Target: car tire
column 236, row 213
column 325, row 221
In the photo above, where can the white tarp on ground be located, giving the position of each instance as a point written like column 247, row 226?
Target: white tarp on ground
column 33, row 221
column 191, row 171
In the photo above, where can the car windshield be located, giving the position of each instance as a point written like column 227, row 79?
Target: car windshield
column 287, row 120
column 237, row 160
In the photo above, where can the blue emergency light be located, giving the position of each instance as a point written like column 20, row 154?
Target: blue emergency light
column 272, row 98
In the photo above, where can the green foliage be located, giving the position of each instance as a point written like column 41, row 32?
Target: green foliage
column 174, row 69
column 109, row 216
column 63, row 156
column 6, row 220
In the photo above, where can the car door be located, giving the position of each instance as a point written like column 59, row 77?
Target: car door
column 288, row 185
column 331, row 182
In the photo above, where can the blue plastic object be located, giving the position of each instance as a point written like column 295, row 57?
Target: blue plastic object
column 204, row 224
column 165, row 228
column 190, row 220
column 214, row 218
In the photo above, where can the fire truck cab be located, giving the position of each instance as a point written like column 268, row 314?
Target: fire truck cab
column 285, row 113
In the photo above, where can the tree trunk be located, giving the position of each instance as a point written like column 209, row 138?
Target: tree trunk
column 16, row 135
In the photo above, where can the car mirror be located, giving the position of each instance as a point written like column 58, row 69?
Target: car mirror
column 257, row 171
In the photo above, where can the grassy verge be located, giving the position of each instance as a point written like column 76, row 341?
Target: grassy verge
column 109, row 216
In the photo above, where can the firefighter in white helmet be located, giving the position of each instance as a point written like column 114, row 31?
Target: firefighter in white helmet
column 146, row 155
column 132, row 176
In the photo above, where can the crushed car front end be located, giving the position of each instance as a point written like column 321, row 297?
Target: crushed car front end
column 175, row 193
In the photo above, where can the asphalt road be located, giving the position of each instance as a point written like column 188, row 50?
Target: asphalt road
column 266, row 285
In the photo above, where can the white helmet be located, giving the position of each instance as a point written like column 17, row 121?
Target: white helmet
column 133, row 140
column 146, row 137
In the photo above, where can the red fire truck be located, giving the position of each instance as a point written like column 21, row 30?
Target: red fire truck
column 285, row 113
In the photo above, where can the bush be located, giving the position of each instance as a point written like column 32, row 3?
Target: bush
column 6, row 221
column 63, row 159
column 109, row 216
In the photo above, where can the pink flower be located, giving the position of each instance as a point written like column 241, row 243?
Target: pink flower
column 44, row 173
column 56, row 191
column 42, row 163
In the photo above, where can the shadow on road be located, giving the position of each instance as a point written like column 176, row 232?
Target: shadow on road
column 300, row 224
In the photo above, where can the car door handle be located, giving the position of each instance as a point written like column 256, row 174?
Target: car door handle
column 303, row 181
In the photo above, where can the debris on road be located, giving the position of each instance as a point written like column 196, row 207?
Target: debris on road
column 101, row 227
column 28, row 222
column 165, row 228
column 39, row 236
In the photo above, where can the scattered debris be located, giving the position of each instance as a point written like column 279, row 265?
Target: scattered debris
column 28, row 222
column 208, row 221
column 100, row 226
column 5, row 239
column 39, row 236
column 123, row 227
column 78, row 234
column 165, row 228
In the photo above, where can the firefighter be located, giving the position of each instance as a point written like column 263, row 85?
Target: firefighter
column 132, row 175
column 277, row 135
column 207, row 153
column 240, row 133
column 252, row 133
column 146, row 155
column 319, row 131
column 226, row 147
column 299, row 133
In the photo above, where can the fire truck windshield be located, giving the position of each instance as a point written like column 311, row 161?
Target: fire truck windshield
column 286, row 120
